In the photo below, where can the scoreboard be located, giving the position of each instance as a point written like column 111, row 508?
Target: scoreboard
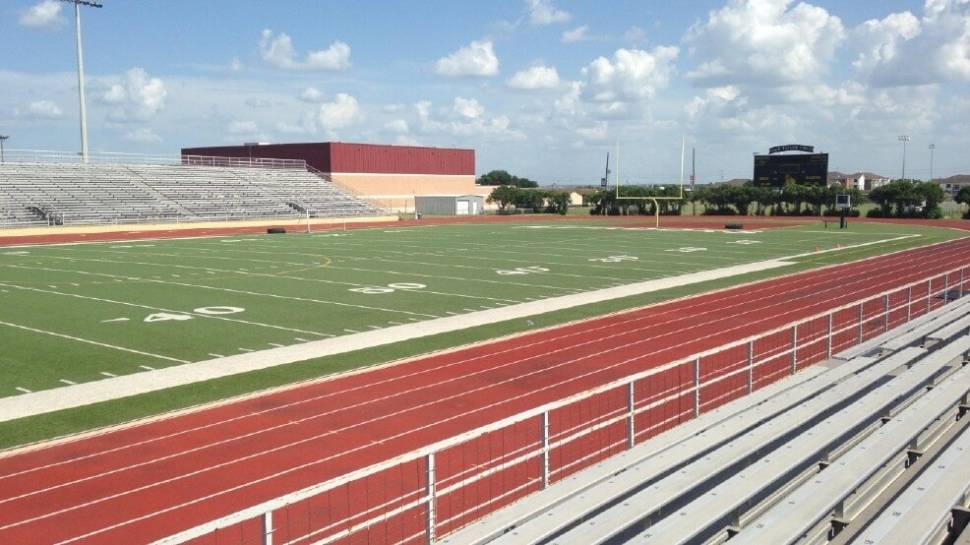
column 802, row 168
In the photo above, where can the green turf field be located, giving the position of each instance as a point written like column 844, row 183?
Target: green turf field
column 75, row 313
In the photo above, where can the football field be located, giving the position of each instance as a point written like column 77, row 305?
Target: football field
column 80, row 312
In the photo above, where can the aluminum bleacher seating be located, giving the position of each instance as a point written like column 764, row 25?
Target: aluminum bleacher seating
column 70, row 193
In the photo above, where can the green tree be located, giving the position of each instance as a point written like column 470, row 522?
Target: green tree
column 963, row 197
column 504, row 195
column 502, row 177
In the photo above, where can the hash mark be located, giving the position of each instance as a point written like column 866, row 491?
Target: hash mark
column 107, row 374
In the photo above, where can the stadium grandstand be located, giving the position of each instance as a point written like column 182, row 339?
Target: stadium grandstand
column 45, row 189
column 388, row 177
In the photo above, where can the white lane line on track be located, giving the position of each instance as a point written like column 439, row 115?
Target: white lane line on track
column 410, row 408
column 88, row 341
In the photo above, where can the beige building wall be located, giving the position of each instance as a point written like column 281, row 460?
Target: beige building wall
column 396, row 192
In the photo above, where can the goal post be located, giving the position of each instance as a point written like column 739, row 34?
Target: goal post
column 654, row 198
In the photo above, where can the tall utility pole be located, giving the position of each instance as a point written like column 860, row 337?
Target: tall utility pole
column 80, row 71
column 904, row 138
column 932, row 149
column 3, row 138
column 693, row 180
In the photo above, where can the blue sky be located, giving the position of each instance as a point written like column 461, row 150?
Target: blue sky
column 539, row 87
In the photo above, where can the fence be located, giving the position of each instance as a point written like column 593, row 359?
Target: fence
column 419, row 496
column 105, row 158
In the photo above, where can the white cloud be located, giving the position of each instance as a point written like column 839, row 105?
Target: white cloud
column 143, row 135
column 397, row 125
column 569, row 102
column 279, row 52
column 596, row 132
column 137, row 96
column 763, row 42
column 341, row 112
column 537, row 77
column 235, row 64
column 543, row 12
column 44, row 14
column 901, row 49
column 243, row 127
column 475, row 59
column 578, row 34
column 311, row 94
column 468, row 108
column 632, row 74
column 40, row 109
column 465, row 118
column 635, row 34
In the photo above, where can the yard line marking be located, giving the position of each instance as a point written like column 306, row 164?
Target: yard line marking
column 400, row 323
column 147, row 367
column 107, row 374
column 198, row 315
column 375, row 327
column 113, row 320
column 216, row 355
column 229, row 290
column 68, row 382
column 351, row 331
column 22, row 390
column 449, row 312
column 246, row 350
column 298, row 339
column 88, row 341
column 277, row 345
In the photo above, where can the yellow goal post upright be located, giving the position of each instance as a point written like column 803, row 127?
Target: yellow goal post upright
column 656, row 200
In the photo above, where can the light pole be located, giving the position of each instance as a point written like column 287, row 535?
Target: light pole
column 3, row 138
column 904, row 138
column 80, row 71
column 932, row 148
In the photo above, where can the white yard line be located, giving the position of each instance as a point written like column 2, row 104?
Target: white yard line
column 88, row 341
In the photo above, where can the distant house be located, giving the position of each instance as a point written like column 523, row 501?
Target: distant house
column 863, row 181
column 954, row 184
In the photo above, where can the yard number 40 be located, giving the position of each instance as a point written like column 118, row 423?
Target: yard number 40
column 205, row 311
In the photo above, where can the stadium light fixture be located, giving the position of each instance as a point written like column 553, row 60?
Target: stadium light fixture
column 932, row 149
column 3, row 138
column 904, row 139
column 80, row 71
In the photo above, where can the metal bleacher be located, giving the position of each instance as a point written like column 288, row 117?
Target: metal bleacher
column 834, row 454
column 41, row 193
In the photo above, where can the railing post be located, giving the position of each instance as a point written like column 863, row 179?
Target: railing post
column 885, row 316
column 794, row 349
column 544, row 429
column 267, row 528
column 697, row 387
column 909, row 304
column 750, row 366
column 631, row 416
column 829, row 349
column 431, row 499
column 861, row 318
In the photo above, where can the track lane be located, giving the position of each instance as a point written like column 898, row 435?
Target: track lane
column 894, row 275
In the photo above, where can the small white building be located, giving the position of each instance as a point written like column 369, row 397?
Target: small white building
column 449, row 205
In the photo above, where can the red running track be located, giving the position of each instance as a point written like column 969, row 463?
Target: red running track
column 146, row 481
